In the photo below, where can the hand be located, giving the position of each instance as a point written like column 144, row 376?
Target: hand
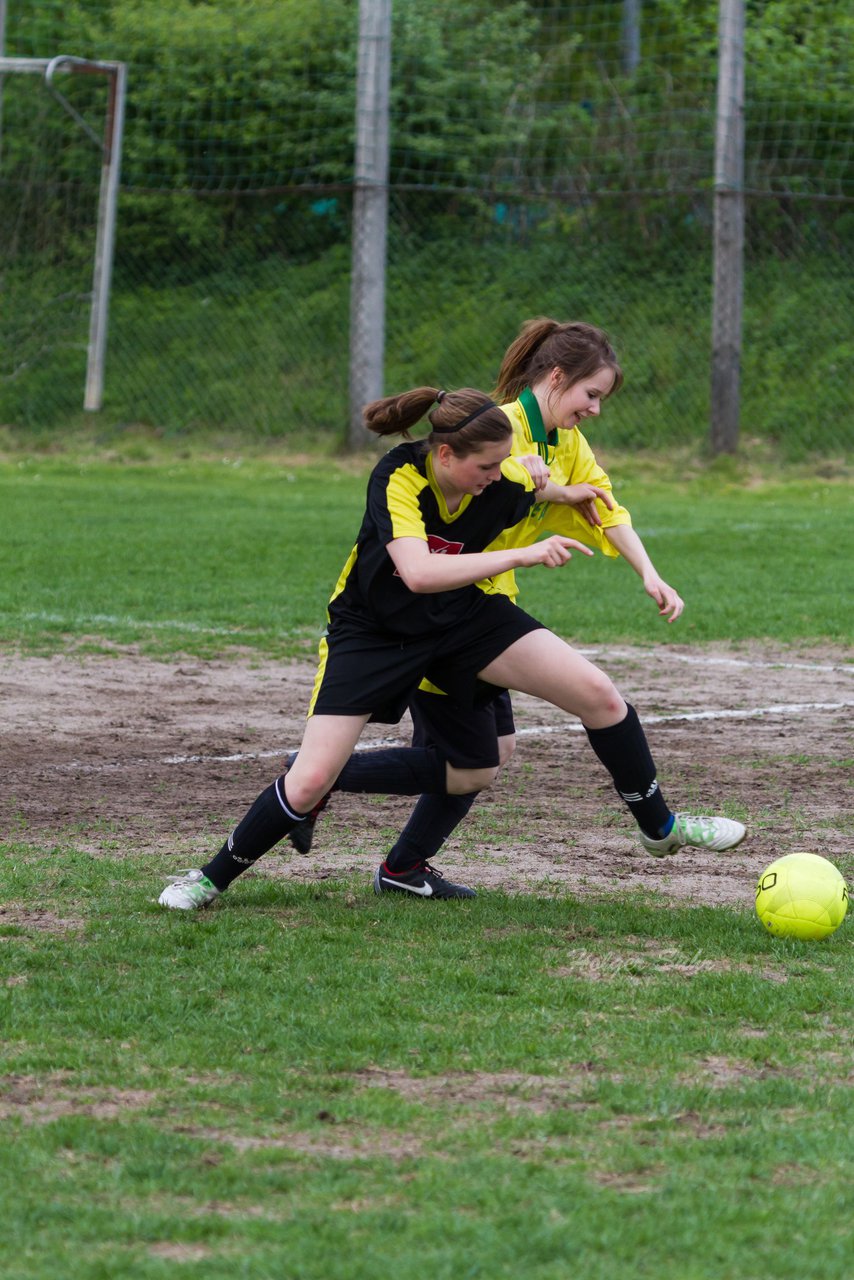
column 552, row 552
column 670, row 603
column 534, row 465
column 583, row 498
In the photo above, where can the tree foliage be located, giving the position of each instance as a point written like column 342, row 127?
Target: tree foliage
column 235, row 109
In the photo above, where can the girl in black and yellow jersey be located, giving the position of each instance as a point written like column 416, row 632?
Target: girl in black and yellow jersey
column 552, row 377
column 407, row 603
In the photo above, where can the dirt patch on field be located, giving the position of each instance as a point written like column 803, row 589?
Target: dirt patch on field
column 512, row 1091
column 122, row 754
column 174, row 1252
column 339, row 1143
column 28, row 920
column 41, row 1101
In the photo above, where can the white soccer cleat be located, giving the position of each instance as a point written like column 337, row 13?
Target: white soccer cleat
column 701, row 833
column 188, row 891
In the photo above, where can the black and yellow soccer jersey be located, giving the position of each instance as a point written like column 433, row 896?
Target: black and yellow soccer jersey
column 404, row 501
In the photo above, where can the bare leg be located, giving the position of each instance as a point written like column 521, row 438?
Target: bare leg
column 327, row 744
column 546, row 667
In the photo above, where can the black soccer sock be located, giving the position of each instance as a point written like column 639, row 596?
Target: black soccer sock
column 268, row 820
column 395, row 771
column 430, row 823
column 625, row 753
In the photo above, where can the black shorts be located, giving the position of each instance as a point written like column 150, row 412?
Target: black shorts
column 468, row 736
column 364, row 671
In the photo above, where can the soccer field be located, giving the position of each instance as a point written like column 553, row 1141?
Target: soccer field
column 168, row 755
column 600, row 1067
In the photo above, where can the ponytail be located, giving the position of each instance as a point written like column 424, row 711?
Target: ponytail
column 394, row 415
column 577, row 349
column 464, row 419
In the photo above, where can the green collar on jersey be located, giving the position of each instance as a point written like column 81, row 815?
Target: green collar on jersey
column 542, row 438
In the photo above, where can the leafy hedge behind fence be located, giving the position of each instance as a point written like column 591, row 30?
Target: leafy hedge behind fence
column 530, row 172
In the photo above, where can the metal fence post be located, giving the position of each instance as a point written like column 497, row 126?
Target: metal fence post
column 728, row 230
column 370, row 213
column 630, row 36
column 2, row 52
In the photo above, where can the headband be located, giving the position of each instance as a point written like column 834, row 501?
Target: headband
column 457, row 426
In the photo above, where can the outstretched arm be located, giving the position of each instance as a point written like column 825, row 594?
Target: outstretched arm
column 626, row 541
column 426, row 573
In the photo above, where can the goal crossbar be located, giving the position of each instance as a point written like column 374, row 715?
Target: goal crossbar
column 110, row 145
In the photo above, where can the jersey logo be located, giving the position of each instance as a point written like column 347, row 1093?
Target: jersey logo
column 441, row 547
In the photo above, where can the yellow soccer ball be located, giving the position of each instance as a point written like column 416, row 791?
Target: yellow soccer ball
column 801, row 896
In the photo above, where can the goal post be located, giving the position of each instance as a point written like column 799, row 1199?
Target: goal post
column 110, row 145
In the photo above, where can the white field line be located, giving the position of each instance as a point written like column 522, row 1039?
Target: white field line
column 116, row 620
column 661, row 654
column 791, row 710
column 710, row 660
column 786, row 709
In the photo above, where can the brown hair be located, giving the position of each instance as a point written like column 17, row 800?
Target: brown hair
column 394, row 415
column 577, row 349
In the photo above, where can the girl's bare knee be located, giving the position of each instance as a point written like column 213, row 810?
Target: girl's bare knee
column 605, row 704
column 506, row 747
column 304, row 787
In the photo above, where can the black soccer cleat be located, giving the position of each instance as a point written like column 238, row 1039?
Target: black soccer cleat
column 302, row 835
column 422, row 881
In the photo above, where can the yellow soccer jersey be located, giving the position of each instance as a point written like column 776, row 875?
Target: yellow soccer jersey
column 570, row 461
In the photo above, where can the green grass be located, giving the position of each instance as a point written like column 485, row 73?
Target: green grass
column 309, row 1083
column 532, row 1086
column 194, row 556
column 199, row 555
column 260, row 348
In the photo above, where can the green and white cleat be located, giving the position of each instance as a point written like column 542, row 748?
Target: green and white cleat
column 700, row 833
column 188, row 892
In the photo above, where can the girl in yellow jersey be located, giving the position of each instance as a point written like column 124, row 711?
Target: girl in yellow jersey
column 553, row 377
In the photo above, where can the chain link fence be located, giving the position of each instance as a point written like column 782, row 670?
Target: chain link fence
column 546, row 158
